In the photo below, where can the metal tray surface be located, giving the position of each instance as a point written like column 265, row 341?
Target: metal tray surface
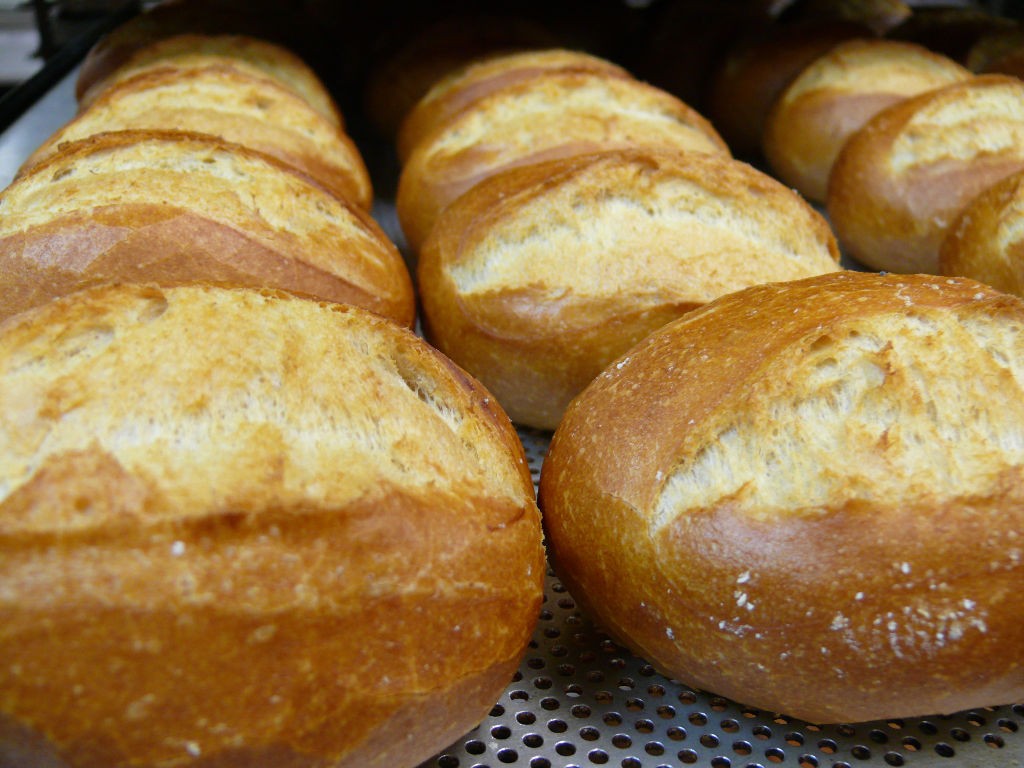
column 579, row 699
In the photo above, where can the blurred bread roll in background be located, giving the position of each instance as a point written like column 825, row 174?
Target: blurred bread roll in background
column 460, row 88
column 756, row 68
column 901, row 180
column 259, row 57
column 835, row 95
column 986, row 242
column 169, row 208
column 235, row 106
column 553, row 114
column 537, row 278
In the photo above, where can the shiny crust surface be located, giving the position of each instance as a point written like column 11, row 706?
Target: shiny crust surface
column 237, row 526
column 809, row 497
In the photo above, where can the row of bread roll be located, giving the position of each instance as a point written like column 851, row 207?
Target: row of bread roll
column 218, row 158
column 236, row 528
column 562, row 210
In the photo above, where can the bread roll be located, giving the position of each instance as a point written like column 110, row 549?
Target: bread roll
column 454, row 92
column 170, row 208
column 249, row 54
column 809, row 497
column 540, row 276
column 270, row 20
column 757, row 67
column 949, row 28
column 836, row 95
column 241, row 528
column 436, row 48
column 555, row 114
column 900, row 181
column 985, row 242
column 235, row 106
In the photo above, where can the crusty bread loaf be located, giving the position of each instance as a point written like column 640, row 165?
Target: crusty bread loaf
column 235, row 106
column 460, row 88
column 836, row 95
column 170, row 207
column 540, row 276
column 553, row 114
column 437, row 47
column 271, row 20
column 239, row 528
column 900, row 180
column 259, row 57
column 809, row 497
column 756, row 68
column 986, row 242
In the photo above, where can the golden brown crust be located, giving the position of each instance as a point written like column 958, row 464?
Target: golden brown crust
column 260, row 57
column 171, row 208
column 264, row 538
column 552, row 115
column 456, row 91
column 835, row 95
column 899, row 182
column 542, row 275
column 694, row 497
column 232, row 105
column 985, row 242
column 756, row 69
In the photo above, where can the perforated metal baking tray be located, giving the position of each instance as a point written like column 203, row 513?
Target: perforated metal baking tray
column 579, row 699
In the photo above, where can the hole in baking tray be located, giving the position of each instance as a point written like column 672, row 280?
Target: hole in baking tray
column 557, row 726
column 894, row 758
column 846, row 730
column 794, row 739
column 720, row 761
column 533, row 741
column 654, row 748
column 590, row 733
column 861, row 752
column 540, row 762
column 942, row 749
column 698, row 718
column 928, row 727
column 580, row 710
column 828, row 746
column 622, row 741
column 573, row 691
column 656, row 690
column 613, row 719
column 526, row 718
column 631, row 762
column 687, row 756
column 644, row 726
column 565, row 748
column 742, row 748
column 549, row 703
column 666, row 712
column 775, row 754
column 878, row 736
column 501, row 732
column 959, row 734
column 507, row 755
column 635, row 705
column 676, row 733
column 994, row 740
column 1009, row 726
column 975, row 718
column 447, row 761
column 597, row 756
column 807, row 761
column 762, row 732
column 497, row 710
column 475, row 747
column 911, row 744
column 709, row 740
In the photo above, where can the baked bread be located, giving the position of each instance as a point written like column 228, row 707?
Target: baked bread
column 900, row 180
column 235, row 106
column 985, row 241
column 259, row 57
column 835, row 95
column 757, row 67
column 809, row 497
column 270, row 20
column 437, row 47
column 949, row 28
column 460, row 88
column 237, row 527
column 554, row 114
column 540, row 276
column 170, row 208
